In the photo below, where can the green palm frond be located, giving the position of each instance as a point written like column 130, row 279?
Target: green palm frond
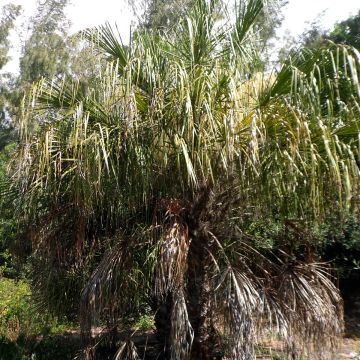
column 109, row 41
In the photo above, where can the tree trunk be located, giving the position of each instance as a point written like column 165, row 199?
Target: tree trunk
column 200, row 300
column 163, row 325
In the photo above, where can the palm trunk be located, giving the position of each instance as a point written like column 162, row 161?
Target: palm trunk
column 163, row 326
column 185, row 269
column 200, row 300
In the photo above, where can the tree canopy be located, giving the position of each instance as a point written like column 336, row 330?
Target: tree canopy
column 9, row 14
column 46, row 53
column 347, row 32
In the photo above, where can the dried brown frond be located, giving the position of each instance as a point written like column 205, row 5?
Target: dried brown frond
column 182, row 334
column 297, row 301
column 112, row 290
column 239, row 301
column 172, row 258
column 311, row 309
column 127, row 351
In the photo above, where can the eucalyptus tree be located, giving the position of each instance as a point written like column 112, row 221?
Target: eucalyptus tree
column 157, row 167
column 9, row 13
column 46, row 52
column 160, row 14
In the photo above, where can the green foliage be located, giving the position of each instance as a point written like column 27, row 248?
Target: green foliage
column 159, row 15
column 9, row 13
column 340, row 244
column 162, row 14
column 145, row 322
column 18, row 315
column 50, row 51
column 268, row 21
column 347, row 32
column 264, row 232
column 22, row 320
column 334, row 240
column 8, row 268
column 45, row 53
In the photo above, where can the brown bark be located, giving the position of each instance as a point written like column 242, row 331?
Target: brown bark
column 200, row 306
column 200, row 300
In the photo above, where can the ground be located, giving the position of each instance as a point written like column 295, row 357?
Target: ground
column 350, row 349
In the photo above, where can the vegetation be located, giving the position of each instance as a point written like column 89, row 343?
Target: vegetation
column 174, row 184
column 45, row 53
column 9, row 14
column 347, row 32
column 21, row 320
column 149, row 178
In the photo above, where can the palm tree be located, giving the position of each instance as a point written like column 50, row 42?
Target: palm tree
column 159, row 165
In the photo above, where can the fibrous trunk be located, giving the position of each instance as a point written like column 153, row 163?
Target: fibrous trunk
column 184, row 283
column 200, row 300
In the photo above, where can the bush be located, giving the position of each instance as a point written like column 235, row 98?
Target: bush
column 50, row 347
column 19, row 315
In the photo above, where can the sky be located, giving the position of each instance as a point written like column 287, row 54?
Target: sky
column 298, row 14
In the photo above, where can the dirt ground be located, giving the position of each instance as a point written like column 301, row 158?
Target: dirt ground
column 350, row 349
column 351, row 344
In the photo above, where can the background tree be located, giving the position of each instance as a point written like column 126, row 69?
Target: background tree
column 268, row 21
column 7, row 22
column 46, row 52
column 347, row 32
column 9, row 14
column 159, row 14
column 7, row 137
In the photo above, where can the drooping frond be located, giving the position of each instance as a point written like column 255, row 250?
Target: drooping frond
column 112, row 290
column 127, row 351
column 182, row 333
column 172, row 259
column 177, row 108
column 297, row 301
